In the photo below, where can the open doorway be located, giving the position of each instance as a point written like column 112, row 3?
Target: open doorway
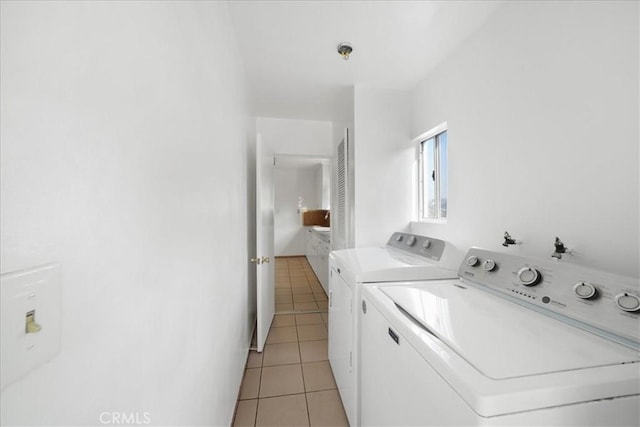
column 302, row 198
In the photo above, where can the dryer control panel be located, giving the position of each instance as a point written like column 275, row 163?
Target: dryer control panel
column 602, row 302
column 415, row 244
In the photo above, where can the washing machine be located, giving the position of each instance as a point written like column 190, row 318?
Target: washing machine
column 404, row 257
column 512, row 341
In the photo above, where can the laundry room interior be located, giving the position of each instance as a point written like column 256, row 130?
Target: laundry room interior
column 219, row 213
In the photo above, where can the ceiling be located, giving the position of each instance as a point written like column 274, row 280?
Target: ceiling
column 289, row 47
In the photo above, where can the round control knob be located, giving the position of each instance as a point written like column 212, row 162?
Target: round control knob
column 529, row 276
column 628, row 302
column 411, row 241
column 472, row 261
column 489, row 265
column 399, row 238
column 585, row 290
column 426, row 244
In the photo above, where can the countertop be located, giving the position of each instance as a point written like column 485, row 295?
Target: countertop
column 323, row 232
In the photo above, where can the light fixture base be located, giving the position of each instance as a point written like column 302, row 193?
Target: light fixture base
column 345, row 49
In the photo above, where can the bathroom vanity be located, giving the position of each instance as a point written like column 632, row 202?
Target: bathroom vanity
column 318, row 245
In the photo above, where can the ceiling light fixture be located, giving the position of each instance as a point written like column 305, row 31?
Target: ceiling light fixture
column 345, row 49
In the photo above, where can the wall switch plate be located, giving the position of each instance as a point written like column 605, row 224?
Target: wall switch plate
column 30, row 320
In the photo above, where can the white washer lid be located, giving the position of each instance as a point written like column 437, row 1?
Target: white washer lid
column 499, row 338
column 387, row 264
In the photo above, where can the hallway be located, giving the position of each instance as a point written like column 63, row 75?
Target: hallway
column 297, row 287
column 291, row 382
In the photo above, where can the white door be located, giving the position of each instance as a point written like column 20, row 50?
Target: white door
column 264, row 242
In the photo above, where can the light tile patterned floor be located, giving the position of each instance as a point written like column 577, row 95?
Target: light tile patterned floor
column 291, row 383
column 297, row 287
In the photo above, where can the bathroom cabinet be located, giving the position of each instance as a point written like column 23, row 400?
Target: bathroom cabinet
column 317, row 251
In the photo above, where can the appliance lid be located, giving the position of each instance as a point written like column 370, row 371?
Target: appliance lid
column 499, row 338
column 387, row 264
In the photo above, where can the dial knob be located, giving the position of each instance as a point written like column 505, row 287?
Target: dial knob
column 628, row 302
column 399, row 238
column 411, row 241
column 426, row 244
column 585, row 290
column 529, row 276
column 472, row 261
column 489, row 265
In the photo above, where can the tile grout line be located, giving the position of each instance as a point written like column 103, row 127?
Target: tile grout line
column 306, row 401
column 283, row 395
column 255, row 421
column 304, row 384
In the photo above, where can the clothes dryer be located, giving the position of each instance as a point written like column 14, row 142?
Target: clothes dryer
column 404, row 257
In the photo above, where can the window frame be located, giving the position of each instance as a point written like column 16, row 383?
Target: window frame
column 419, row 141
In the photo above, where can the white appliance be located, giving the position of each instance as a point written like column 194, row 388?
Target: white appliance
column 404, row 257
column 511, row 342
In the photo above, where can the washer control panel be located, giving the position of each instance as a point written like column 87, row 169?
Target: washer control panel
column 601, row 300
column 415, row 244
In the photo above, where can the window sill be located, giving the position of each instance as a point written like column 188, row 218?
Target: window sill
column 432, row 221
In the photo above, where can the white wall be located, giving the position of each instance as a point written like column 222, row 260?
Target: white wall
column 344, row 115
column 542, row 106
column 384, row 194
column 317, row 183
column 290, row 237
column 343, row 119
column 288, row 136
column 323, row 185
column 124, row 158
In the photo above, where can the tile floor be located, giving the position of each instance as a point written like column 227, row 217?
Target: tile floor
column 291, row 383
column 296, row 286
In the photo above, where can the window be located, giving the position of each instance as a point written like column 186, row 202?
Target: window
column 433, row 174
